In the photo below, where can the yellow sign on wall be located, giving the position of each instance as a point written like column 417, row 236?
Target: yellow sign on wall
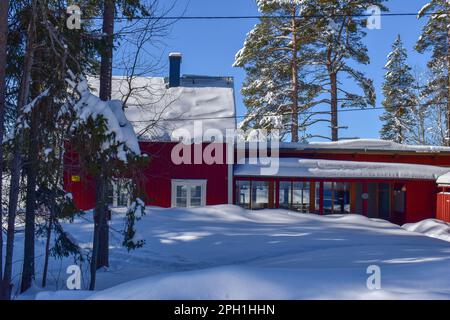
column 75, row 178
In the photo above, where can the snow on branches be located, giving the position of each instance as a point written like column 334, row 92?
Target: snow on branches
column 117, row 125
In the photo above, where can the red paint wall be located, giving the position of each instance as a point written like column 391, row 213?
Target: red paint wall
column 420, row 200
column 83, row 192
column 443, row 205
column 156, row 179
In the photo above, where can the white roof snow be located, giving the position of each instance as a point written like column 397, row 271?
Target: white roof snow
column 364, row 144
column 313, row 168
column 444, row 179
column 156, row 111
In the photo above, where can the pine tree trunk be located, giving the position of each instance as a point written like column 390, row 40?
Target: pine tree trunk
column 16, row 162
column 334, row 107
column 30, row 203
column 47, row 249
column 107, row 54
column 294, row 127
column 28, row 270
column 103, row 250
column 3, row 42
column 100, row 224
column 105, row 95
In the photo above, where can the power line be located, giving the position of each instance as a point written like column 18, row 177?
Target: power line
column 400, row 14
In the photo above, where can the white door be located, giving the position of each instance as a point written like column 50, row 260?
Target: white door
column 188, row 193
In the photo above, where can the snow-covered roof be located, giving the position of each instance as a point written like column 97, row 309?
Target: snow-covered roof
column 444, row 179
column 364, row 145
column 313, row 168
column 156, row 111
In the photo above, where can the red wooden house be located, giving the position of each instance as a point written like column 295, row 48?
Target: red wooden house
column 376, row 178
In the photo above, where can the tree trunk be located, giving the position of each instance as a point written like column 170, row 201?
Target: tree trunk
column 334, row 107
column 30, row 202
column 294, row 127
column 3, row 43
column 105, row 95
column 107, row 54
column 31, row 167
column 16, row 162
column 47, row 248
column 103, row 250
column 100, row 225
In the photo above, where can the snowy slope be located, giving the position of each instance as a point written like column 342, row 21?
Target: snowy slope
column 227, row 252
column 431, row 227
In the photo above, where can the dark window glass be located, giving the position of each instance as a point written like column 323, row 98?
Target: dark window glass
column 384, row 201
column 243, row 194
column 260, row 194
column 300, row 196
column 285, row 194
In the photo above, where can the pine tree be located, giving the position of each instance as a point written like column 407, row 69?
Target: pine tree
column 273, row 57
column 399, row 96
column 338, row 47
column 436, row 38
column 4, row 8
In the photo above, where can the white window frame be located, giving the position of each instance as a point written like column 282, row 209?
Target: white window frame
column 188, row 184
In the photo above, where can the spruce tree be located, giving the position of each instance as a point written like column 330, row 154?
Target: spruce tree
column 436, row 38
column 399, row 96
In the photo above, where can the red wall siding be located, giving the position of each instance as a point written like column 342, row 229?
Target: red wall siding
column 420, row 200
column 83, row 192
column 443, row 206
column 157, row 178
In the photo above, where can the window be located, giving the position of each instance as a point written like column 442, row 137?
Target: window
column 328, row 197
column 243, row 194
column 285, row 195
column 260, row 194
column 317, row 198
column 295, row 196
column 336, row 197
column 300, row 196
column 188, row 193
column 118, row 192
column 341, row 197
column 384, row 200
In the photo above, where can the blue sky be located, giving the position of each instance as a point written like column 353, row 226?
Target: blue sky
column 209, row 47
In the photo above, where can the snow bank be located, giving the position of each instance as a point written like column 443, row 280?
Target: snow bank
column 308, row 168
column 250, row 283
column 364, row 145
column 431, row 227
column 226, row 252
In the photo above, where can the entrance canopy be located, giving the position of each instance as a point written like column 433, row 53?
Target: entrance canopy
column 314, row 168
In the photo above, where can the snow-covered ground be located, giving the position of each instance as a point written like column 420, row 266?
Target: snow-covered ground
column 225, row 252
column 431, row 227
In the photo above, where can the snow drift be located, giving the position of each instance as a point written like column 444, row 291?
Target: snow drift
column 226, row 252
